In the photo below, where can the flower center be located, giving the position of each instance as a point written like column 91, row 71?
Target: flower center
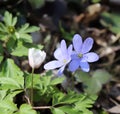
column 80, row 55
column 64, row 61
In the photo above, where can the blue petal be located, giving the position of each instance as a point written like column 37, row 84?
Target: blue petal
column 63, row 45
column 74, row 65
column 60, row 71
column 77, row 43
column 64, row 50
column 85, row 66
column 91, row 57
column 74, row 56
column 53, row 65
column 58, row 54
column 87, row 45
column 70, row 49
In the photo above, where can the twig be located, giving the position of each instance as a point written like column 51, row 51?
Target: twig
column 42, row 107
column 28, row 100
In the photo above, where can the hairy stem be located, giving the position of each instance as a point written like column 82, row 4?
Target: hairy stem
column 32, row 87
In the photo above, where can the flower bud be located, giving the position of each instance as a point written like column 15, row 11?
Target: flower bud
column 36, row 57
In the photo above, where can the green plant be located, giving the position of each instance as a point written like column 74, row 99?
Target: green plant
column 37, row 91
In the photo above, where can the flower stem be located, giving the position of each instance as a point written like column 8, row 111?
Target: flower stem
column 32, row 87
column 72, row 81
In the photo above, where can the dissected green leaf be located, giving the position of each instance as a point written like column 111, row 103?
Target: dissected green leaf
column 3, row 28
column 10, row 83
column 73, row 103
column 70, row 98
column 20, row 50
column 32, row 29
column 9, row 19
column 69, row 110
column 26, row 109
column 57, row 80
column 26, row 38
column 57, row 111
column 27, row 29
column 7, row 106
column 2, row 94
column 23, row 32
column 11, row 44
column 10, row 69
column 23, row 28
column 86, row 102
column 12, row 94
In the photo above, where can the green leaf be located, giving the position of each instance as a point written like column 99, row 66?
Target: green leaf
column 23, row 32
column 66, row 35
column 82, row 76
column 32, row 29
column 3, row 28
column 71, row 97
column 27, row 29
column 1, row 53
column 10, row 69
column 37, row 3
column 7, row 106
column 11, row 44
column 2, row 94
column 73, row 103
column 28, row 78
column 95, row 1
column 14, row 21
column 102, row 75
column 57, row 111
column 20, row 50
column 1, row 49
column 9, row 83
column 111, row 21
column 9, row 19
column 93, row 84
column 26, row 109
column 1, row 58
column 69, row 110
column 57, row 80
column 26, row 37
column 12, row 94
column 84, row 104
column 23, row 28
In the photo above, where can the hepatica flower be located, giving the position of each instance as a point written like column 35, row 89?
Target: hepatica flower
column 63, row 57
column 81, row 56
column 36, row 57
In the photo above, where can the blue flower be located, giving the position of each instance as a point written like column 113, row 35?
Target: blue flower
column 81, row 56
column 63, row 56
